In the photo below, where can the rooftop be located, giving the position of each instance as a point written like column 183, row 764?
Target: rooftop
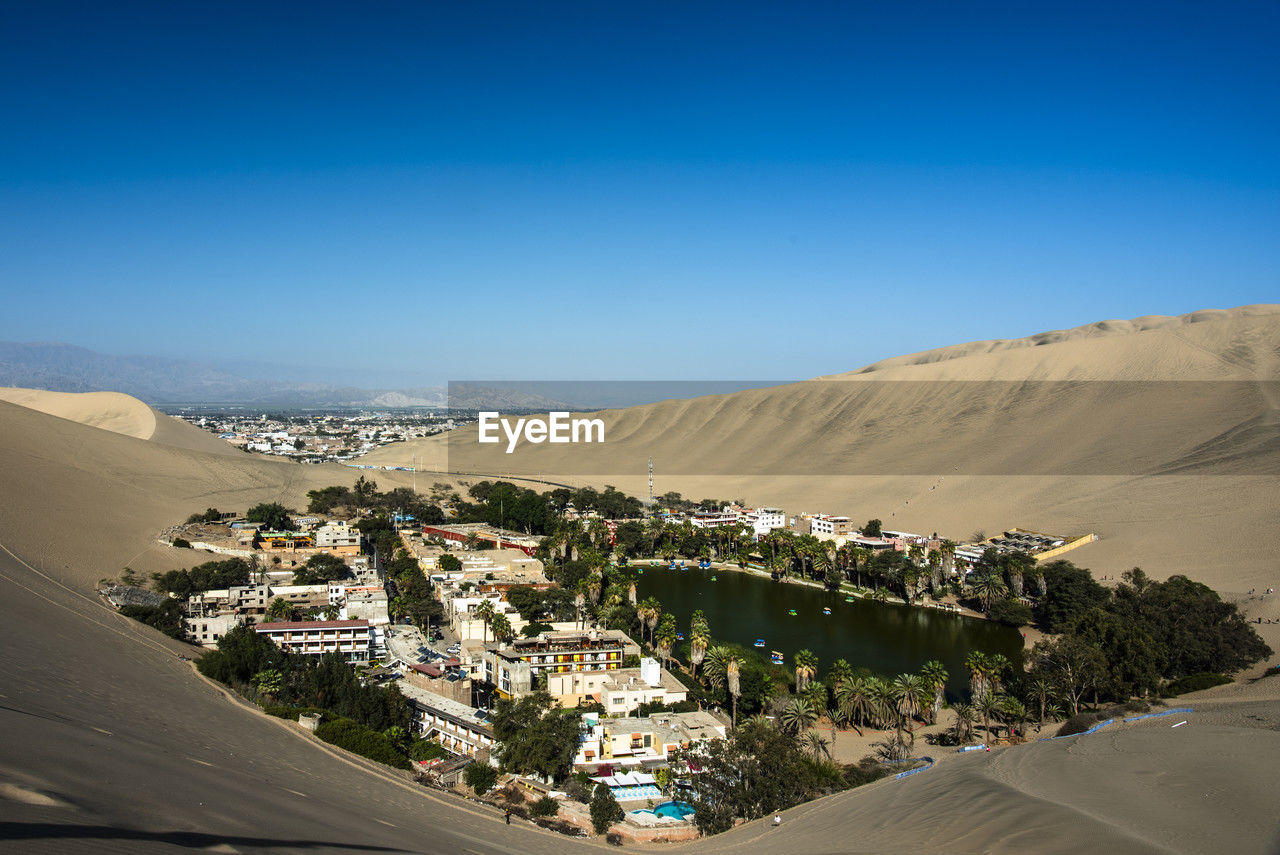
column 311, row 624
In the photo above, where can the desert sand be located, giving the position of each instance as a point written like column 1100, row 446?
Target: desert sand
column 1160, row 435
column 113, row 743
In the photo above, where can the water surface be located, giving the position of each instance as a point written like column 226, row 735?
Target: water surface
column 889, row 639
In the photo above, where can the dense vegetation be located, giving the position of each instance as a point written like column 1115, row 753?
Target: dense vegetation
column 536, row 737
column 210, row 576
column 1115, row 644
column 166, row 617
column 758, row 770
column 362, row 740
column 370, row 720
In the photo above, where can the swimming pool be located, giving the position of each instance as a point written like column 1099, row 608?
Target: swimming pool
column 675, row 810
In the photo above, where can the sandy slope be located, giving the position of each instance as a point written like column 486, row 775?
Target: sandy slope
column 1161, row 435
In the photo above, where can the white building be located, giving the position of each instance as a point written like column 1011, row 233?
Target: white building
column 764, row 520
column 645, row 743
column 454, row 725
column 712, row 519
column 356, row 640
column 830, row 526
column 338, row 536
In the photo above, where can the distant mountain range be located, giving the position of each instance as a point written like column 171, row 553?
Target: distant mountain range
column 159, row 380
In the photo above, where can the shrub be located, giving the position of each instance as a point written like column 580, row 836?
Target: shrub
column 426, row 749
column 180, row 543
column 1195, row 683
column 545, row 807
column 1010, row 611
column 867, row 770
column 358, row 739
column 480, row 777
column 1079, row 723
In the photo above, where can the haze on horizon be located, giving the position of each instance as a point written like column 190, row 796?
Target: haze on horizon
column 494, row 190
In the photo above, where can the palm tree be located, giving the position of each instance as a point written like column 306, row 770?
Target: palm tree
column 1014, row 713
column 806, row 668
column 666, row 638
column 649, row 610
column 853, row 702
column 1039, row 690
column 331, row 612
column 934, row 674
column 999, row 665
column 280, row 610
column 732, row 677
column 988, row 706
column 841, row 672
column 963, row 727
column 699, row 638
column 484, row 611
column 978, row 667
column 717, row 660
column 797, row 716
column 817, row 747
column 934, row 560
column 880, row 703
column 910, row 695
column 502, row 627
column 988, row 586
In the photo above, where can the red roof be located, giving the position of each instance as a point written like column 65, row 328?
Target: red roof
column 311, row 624
column 429, row 670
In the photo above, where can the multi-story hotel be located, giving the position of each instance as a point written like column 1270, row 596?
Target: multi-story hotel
column 513, row 669
column 356, row 640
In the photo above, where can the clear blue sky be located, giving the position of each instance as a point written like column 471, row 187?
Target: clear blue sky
column 421, row 191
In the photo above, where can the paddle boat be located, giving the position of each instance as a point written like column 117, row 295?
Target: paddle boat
column 848, row 599
column 760, row 642
column 713, row 578
column 826, row 611
column 776, row 658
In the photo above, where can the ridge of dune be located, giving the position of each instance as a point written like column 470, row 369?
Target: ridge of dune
column 118, row 413
column 113, row 411
column 1008, row 358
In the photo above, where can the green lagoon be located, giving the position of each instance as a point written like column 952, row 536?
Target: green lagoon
column 889, row 639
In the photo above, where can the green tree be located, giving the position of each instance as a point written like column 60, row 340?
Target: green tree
column 605, row 810
column 535, row 737
column 806, row 668
column 280, row 610
column 272, row 516
column 480, row 777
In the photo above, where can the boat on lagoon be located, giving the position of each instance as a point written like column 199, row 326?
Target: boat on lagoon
column 760, row 642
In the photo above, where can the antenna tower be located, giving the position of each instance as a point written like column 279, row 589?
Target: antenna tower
column 650, row 481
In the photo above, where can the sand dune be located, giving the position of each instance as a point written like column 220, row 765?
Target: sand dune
column 118, row 413
column 1160, row 434
column 111, row 411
